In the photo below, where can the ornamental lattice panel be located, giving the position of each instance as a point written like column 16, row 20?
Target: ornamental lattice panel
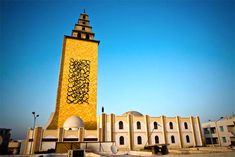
column 78, row 86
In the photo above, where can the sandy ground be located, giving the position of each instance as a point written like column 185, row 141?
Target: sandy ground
column 193, row 152
column 226, row 154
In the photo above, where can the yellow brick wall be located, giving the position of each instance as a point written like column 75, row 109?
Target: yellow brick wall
column 77, row 49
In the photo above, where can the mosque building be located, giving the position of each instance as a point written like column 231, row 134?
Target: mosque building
column 75, row 119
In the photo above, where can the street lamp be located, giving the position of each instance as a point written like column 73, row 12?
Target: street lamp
column 151, row 133
column 34, row 123
column 211, row 134
column 218, row 129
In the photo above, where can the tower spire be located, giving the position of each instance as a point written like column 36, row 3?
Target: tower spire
column 82, row 29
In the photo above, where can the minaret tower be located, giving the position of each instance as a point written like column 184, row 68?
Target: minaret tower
column 77, row 87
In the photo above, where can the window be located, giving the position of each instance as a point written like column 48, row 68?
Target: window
column 139, row 140
column 172, row 139
column 156, row 139
column 208, row 141
column 185, row 125
column 224, row 139
column 155, row 125
column 84, row 22
column 79, row 35
column 83, row 28
column 212, row 130
column 84, row 16
column 121, row 140
column 206, row 131
column 138, row 125
column 87, row 36
column 120, row 125
column 171, row 125
column 187, row 139
column 221, row 128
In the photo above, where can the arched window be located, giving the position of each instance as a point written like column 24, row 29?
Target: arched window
column 185, row 125
column 156, row 139
column 138, row 125
column 120, row 125
column 83, row 28
column 187, row 139
column 171, row 125
column 84, row 17
column 121, row 140
column 87, row 36
column 172, row 139
column 139, row 140
column 155, row 125
column 79, row 35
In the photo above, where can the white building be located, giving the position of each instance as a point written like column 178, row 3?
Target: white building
column 220, row 132
column 130, row 131
column 133, row 131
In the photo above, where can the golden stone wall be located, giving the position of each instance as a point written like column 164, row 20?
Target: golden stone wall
column 78, row 50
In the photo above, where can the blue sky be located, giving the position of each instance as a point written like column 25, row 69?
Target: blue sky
column 159, row 57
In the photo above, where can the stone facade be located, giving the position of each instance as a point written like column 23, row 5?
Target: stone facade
column 133, row 132
column 127, row 132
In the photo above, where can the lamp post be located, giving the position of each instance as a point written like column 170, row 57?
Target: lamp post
column 151, row 133
column 34, row 123
column 217, row 130
column 211, row 134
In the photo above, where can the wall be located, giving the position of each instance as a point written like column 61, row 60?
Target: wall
column 147, row 131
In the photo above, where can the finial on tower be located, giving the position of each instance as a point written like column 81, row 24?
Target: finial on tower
column 102, row 109
column 84, row 11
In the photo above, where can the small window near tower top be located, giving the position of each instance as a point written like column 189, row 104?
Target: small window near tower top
column 83, row 28
column 84, row 17
column 79, row 35
column 84, row 22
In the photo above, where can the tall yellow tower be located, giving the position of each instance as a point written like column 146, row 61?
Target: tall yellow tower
column 77, row 88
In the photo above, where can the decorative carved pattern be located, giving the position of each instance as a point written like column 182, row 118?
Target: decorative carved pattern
column 78, row 87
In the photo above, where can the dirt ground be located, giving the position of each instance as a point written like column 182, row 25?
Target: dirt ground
column 224, row 154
